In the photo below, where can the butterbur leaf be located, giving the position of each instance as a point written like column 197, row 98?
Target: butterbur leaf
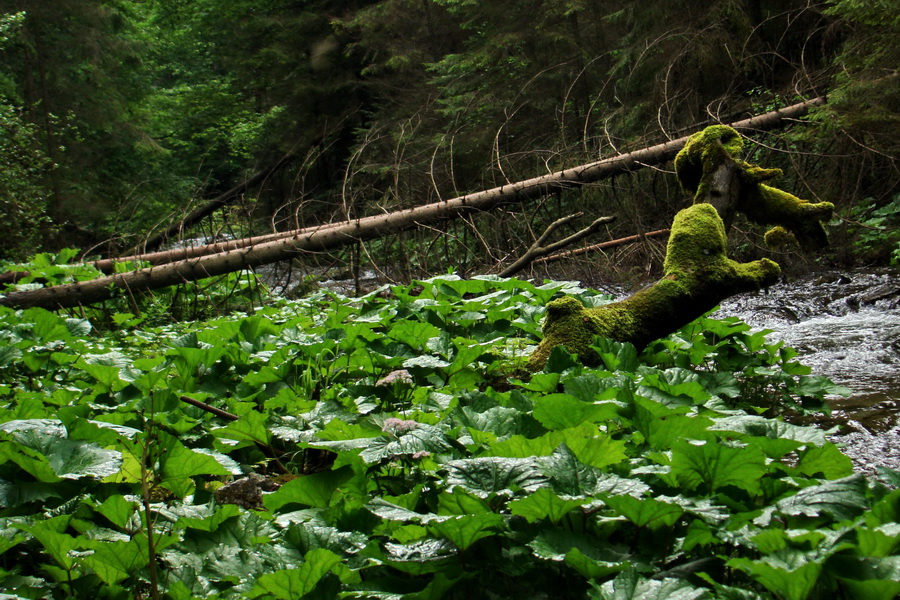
column 544, row 504
column 210, row 521
column 486, row 476
column 562, row 411
column 310, row 490
column 251, row 427
column 465, row 530
column 878, row 541
column 842, row 499
column 116, row 561
column 714, row 466
column 866, row 577
column 118, row 510
column 420, row 557
column 826, row 461
column 393, row 512
column 66, row 459
column 178, row 462
column 561, row 545
column 420, row 438
column 568, row 475
column 756, row 426
column 307, row 537
column 459, row 502
column 645, row 512
column 290, row 584
column 57, row 544
column 788, row 574
column 629, row 585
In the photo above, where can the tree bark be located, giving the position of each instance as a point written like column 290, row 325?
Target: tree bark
column 335, row 235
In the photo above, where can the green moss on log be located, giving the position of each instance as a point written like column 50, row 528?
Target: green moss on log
column 762, row 204
column 698, row 275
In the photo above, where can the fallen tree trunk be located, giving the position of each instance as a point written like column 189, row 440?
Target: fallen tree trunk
column 335, row 235
column 523, row 190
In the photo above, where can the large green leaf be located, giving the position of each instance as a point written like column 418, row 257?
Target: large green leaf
column 464, row 530
column 49, row 457
column 842, row 500
column 544, row 504
column 645, row 512
column 487, row 476
column 581, row 552
column 628, row 585
column 309, row 490
column 790, row 575
column 712, row 466
column 290, row 584
column 562, row 411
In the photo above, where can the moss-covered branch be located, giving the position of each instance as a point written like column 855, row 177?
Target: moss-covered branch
column 698, row 274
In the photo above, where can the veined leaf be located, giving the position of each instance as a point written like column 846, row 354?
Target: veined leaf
column 544, row 504
column 464, row 530
column 290, row 584
column 115, row 561
column 645, row 512
column 842, row 500
column 491, row 475
column 459, row 502
column 827, row 461
column 50, row 458
column 628, row 585
column 788, row 574
column 562, row 411
column 393, row 512
column 420, row 557
column 591, row 446
column 715, row 466
column 310, row 490
column 581, row 552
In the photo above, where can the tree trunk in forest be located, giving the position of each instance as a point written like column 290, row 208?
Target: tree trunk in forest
column 517, row 192
column 698, row 275
column 328, row 237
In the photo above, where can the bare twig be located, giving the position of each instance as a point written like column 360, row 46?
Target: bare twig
column 537, row 250
column 602, row 246
column 210, row 409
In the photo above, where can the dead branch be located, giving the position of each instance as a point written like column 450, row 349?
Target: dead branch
column 602, row 246
column 537, row 250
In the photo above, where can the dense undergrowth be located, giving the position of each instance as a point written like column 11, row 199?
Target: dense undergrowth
column 402, row 452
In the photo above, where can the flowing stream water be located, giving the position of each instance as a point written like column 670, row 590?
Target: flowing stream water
column 845, row 326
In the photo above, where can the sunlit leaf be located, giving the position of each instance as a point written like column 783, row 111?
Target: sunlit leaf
column 309, row 490
column 714, row 466
column 486, row 476
column 289, row 584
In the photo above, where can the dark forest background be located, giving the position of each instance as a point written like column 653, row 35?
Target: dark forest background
column 118, row 117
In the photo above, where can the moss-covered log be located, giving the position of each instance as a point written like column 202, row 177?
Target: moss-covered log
column 698, row 274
